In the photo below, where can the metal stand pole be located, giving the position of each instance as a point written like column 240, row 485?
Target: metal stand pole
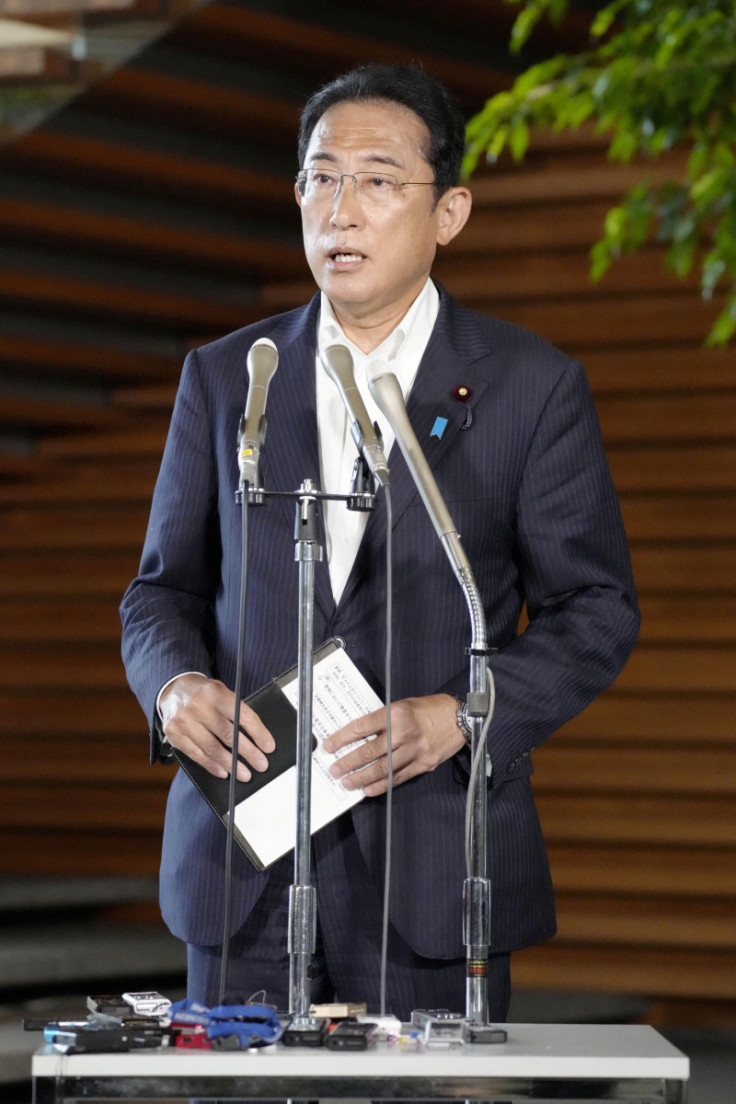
column 477, row 886
column 302, row 896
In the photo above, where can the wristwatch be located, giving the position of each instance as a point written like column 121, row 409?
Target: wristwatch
column 463, row 720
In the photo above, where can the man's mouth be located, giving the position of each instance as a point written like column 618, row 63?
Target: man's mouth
column 346, row 258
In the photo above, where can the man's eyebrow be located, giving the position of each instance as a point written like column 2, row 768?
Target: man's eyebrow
column 368, row 159
column 384, row 159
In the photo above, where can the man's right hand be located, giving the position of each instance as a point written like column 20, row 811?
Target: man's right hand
column 197, row 716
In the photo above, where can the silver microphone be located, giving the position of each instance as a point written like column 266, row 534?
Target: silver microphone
column 338, row 363
column 263, row 359
column 388, row 397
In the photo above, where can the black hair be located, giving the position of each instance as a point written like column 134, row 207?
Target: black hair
column 412, row 87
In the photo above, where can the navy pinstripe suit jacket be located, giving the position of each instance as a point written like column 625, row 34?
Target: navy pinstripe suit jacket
column 528, row 488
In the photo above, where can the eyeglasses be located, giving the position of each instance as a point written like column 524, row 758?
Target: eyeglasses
column 316, row 185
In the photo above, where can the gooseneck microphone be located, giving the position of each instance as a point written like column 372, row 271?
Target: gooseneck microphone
column 338, row 363
column 388, row 397
column 263, row 359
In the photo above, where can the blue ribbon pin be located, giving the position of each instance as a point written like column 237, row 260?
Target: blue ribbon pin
column 439, row 427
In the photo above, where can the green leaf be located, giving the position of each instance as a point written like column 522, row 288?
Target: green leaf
column 681, row 256
column 518, row 139
column 600, row 260
column 603, row 20
column 724, row 326
column 657, row 75
column 623, row 146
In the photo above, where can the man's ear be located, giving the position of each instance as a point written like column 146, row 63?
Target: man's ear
column 453, row 211
column 297, row 195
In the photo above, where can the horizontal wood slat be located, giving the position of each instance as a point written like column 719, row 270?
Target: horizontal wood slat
column 645, row 819
column 150, row 398
column 655, row 668
column 668, row 417
column 647, row 922
column 518, row 278
column 584, row 324
column 87, row 483
column 680, row 517
column 688, row 618
column 79, row 805
column 670, row 972
column 103, row 761
column 67, row 573
column 698, row 568
column 108, row 714
column 100, row 361
column 679, row 718
column 117, row 850
column 182, row 102
column 143, row 240
column 142, row 440
column 512, row 230
column 546, row 179
column 73, row 157
column 58, row 415
column 664, row 367
column 74, row 620
column 73, row 527
column 684, row 467
column 634, row 770
column 47, row 291
column 78, row 667
column 685, row 872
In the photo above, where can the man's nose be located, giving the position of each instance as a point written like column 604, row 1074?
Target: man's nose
column 346, row 206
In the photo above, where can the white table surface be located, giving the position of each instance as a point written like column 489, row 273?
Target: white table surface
column 564, row 1051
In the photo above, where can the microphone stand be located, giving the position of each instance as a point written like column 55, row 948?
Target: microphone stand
column 302, row 896
column 477, row 885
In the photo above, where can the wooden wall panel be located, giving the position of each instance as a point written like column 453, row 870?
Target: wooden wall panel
column 142, row 187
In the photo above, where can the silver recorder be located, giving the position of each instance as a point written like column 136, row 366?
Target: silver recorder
column 443, row 1028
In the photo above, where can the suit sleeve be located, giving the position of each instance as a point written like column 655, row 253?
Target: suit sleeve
column 168, row 610
column 575, row 573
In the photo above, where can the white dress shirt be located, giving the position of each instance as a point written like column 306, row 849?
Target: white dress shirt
column 400, row 353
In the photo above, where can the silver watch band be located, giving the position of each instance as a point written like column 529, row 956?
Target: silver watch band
column 463, row 721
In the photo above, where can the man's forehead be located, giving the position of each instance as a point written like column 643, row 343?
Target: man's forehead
column 372, row 127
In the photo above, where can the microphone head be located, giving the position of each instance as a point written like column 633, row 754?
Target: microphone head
column 385, row 390
column 263, row 359
column 337, row 362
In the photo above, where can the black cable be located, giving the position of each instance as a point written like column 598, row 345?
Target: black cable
column 227, row 921
column 389, row 749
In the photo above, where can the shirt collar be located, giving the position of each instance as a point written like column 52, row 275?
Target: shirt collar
column 404, row 347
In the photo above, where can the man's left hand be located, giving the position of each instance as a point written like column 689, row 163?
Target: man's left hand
column 424, row 733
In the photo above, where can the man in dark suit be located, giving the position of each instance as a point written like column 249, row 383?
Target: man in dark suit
column 518, row 459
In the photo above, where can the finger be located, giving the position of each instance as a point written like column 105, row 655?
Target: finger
column 361, row 756
column 370, row 724
column 373, row 779
column 252, row 725
column 202, row 747
column 375, row 789
column 222, row 724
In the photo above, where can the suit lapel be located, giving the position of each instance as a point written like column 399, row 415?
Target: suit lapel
column 450, row 359
column 291, row 451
